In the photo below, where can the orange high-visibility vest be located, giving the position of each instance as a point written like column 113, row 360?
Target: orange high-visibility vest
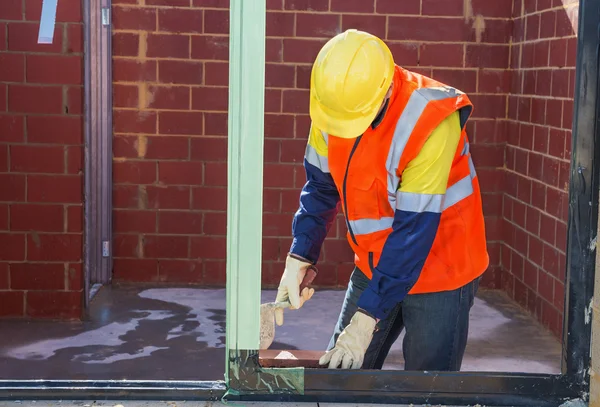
column 367, row 172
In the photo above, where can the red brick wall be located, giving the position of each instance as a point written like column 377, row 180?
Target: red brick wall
column 40, row 162
column 170, row 104
column 538, row 156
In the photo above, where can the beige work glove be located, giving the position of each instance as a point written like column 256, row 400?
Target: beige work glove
column 289, row 286
column 352, row 343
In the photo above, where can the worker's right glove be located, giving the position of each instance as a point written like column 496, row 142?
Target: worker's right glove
column 289, row 286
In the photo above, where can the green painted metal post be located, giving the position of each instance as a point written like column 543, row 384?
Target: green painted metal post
column 245, row 173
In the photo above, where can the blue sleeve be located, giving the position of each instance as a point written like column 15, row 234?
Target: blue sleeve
column 313, row 219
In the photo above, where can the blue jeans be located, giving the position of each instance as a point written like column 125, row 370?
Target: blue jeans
column 437, row 326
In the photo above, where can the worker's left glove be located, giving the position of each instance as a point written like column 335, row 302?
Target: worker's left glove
column 352, row 343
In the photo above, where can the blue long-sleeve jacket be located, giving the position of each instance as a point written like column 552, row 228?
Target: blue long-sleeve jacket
column 408, row 245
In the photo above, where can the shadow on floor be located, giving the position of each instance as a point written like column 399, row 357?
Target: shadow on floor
column 179, row 334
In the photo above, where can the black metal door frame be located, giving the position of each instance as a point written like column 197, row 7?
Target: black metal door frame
column 253, row 383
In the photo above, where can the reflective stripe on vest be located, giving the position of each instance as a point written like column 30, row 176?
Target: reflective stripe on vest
column 404, row 127
column 319, row 161
column 413, row 202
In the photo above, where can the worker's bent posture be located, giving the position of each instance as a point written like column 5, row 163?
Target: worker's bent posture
column 390, row 146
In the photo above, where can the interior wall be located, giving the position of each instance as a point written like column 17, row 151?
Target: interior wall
column 538, row 153
column 170, row 121
column 41, row 137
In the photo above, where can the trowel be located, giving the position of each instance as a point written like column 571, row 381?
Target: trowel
column 267, row 311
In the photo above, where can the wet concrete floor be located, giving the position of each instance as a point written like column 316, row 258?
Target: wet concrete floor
column 179, row 334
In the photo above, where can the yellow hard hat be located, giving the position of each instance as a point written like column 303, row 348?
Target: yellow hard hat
column 349, row 80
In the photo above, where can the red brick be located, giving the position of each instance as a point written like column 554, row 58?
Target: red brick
column 271, row 201
column 536, row 250
column 216, row 174
column 211, row 3
column 546, row 286
column 180, row 123
column 3, row 41
column 280, row 76
column 4, row 282
column 554, row 202
column 210, row 98
column 168, row 247
column 55, row 247
column 547, row 229
column 180, row 172
column 13, row 187
column 307, row 5
column 44, row 159
column 317, row 25
column 215, row 124
column 560, row 83
column 180, row 20
column 404, row 53
column 465, row 80
column 134, row 172
column 273, row 100
column 518, row 213
column 302, row 126
column 41, row 218
column 12, row 246
column 398, row 7
column 551, row 168
column 521, row 162
column 132, row 70
column 558, row 53
column 535, row 167
column 4, row 219
column 12, row 67
column 373, row 24
column 168, row 46
column 567, row 120
column 125, row 95
column 445, row 8
column 125, row 44
column 74, row 38
column 171, row 3
column 278, row 175
column 75, row 219
column 74, row 160
column 290, row 201
column 353, row 6
column 274, row 4
column 168, row 97
column 548, row 24
column 559, row 295
column 215, row 224
column 543, row 79
column 532, row 27
column 207, row 198
column 486, row 56
column 538, row 195
column 134, row 221
column 419, row 29
column 209, row 149
column 274, row 50
column 180, row 72
column 13, row 303
column 134, row 18
column 23, row 37
column 210, row 47
column 272, row 151
column 74, row 100
column 166, row 197
column 280, row 24
column 303, row 73
column 492, row 9
column 126, row 245
column 216, row 21
column 11, row 128
column 4, row 158
column 35, row 99
column 278, row 126
column 126, row 196
column 214, row 273
column 300, row 50
column 180, row 271
column 216, row 73
column 125, row 146
column 54, row 304
column 533, row 220
column 75, row 277
column 135, row 270
column 206, row 247
column 132, row 121
column 443, row 55
column 12, row 10
column 524, row 190
column 54, row 188
column 571, row 52
column 293, row 151
column 36, row 276
column 167, row 148
column 554, row 112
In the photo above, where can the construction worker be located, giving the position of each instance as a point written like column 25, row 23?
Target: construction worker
column 390, row 147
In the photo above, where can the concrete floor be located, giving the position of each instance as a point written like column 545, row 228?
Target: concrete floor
column 178, row 334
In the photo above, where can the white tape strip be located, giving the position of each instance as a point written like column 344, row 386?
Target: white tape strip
column 47, row 22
